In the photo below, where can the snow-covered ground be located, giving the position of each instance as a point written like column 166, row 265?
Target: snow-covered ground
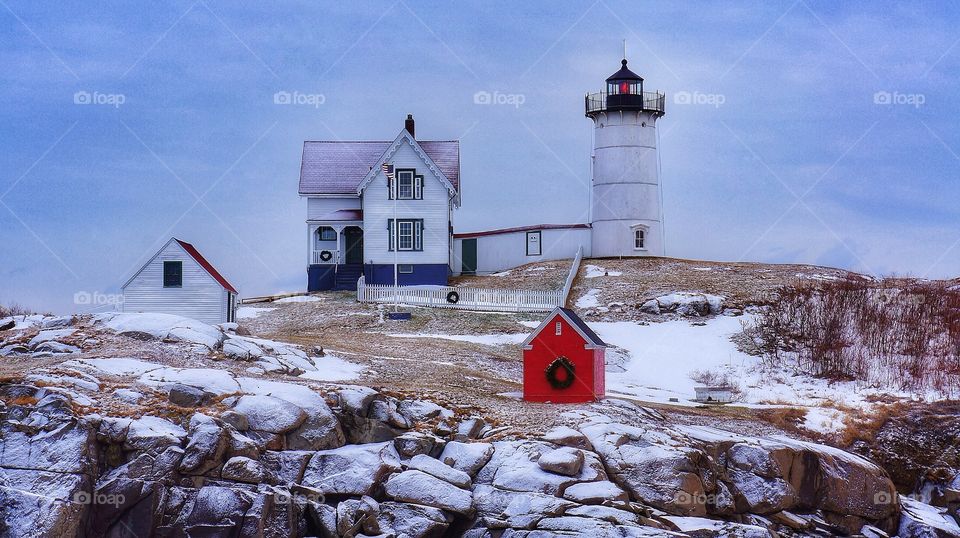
column 250, row 312
column 485, row 339
column 663, row 355
column 593, row 271
column 299, row 299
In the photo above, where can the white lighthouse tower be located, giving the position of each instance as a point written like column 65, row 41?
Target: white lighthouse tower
column 627, row 216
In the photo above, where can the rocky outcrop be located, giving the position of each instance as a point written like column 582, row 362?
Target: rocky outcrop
column 232, row 470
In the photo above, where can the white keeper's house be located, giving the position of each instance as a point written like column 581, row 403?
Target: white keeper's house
column 362, row 222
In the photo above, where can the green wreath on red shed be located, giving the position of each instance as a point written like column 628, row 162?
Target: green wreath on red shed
column 560, row 363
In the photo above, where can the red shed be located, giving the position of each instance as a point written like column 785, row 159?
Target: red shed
column 563, row 361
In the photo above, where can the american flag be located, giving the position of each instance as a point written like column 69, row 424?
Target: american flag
column 391, row 180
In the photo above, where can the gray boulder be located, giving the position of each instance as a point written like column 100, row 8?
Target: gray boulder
column 351, row 470
column 440, row 470
column 420, row 488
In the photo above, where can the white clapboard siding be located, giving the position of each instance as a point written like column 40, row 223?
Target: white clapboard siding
column 201, row 297
column 502, row 251
column 320, row 208
column 434, row 209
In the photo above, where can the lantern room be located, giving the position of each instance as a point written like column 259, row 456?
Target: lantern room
column 563, row 361
column 624, row 88
column 624, row 92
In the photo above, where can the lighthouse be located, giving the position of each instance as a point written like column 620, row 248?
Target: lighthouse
column 627, row 217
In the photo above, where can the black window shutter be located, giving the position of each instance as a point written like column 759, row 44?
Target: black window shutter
column 390, row 233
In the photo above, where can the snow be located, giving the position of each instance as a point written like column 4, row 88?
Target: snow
column 823, row 420
column 484, row 339
column 299, row 299
column 594, row 492
column 333, row 368
column 209, row 379
column 593, row 271
column 917, row 515
column 115, row 366
column 662, row 356
column 50, row 335
column 163, row 327
column 589, row 299
column 250, row 312
column 149, row 426
column 502, row 273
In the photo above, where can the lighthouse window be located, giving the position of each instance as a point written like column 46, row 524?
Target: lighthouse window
column 638, row 237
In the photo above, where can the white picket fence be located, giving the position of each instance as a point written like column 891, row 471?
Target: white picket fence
column 486, row 299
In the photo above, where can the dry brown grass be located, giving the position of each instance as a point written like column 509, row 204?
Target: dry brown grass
column 863, row 426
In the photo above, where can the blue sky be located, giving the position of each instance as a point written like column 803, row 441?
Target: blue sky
column 809, row 132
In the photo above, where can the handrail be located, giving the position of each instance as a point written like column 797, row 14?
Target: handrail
column 649, row 102
column 574, row 269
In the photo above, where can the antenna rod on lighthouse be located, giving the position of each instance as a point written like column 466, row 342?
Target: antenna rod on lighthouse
column 624, row 49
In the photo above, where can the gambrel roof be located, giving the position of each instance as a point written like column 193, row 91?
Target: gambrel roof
column 340, row 167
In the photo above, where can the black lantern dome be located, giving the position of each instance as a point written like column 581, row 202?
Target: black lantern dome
column 624, row 89
column 624, row 92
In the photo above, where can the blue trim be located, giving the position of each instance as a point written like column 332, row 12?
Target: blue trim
column 320, row 277
column 434, row 274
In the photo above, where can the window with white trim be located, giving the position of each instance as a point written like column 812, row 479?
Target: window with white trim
column 639, row 235
column 405, row 269
column 559, row 328
column 408, row 234
column 326, row 233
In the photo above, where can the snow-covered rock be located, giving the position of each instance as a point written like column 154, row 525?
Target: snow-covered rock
column 566, row 461
column 206, row 445
column 413, row 520
column 421, row 488
column 166, row 327
column 351, row 469
column 269, row 414
column 466, row 457
column 514, row 467
column 243, row 469
column 566, row 436
column 595, row 492
column 50, row 335
column 440, row 470
column 920, row 520
column 684, row 304
column 500, row 508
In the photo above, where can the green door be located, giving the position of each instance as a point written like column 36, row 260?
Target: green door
column 353, row 239
column 469, row 256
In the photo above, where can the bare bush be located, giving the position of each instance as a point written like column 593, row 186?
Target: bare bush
column 893, row 332
column 14, row 309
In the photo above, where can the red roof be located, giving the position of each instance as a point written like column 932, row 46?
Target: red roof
column 192, row 251
column 468, row 235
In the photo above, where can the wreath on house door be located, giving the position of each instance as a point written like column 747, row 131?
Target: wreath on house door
column 553, row 371
column 326, row 255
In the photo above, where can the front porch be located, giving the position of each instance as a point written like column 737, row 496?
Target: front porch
column 335, row 255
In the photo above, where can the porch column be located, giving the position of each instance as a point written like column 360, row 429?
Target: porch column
column 339, row 230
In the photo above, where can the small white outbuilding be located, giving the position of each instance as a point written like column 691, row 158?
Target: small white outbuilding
column 179, row 280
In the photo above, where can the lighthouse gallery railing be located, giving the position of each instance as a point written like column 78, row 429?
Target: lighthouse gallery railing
column 650, row 102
